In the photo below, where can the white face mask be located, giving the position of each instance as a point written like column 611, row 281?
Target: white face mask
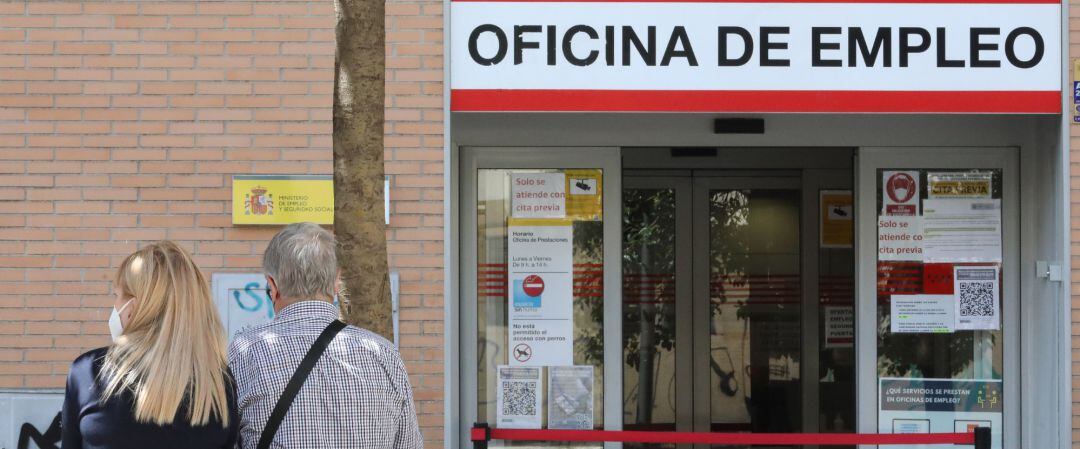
column 116, row 327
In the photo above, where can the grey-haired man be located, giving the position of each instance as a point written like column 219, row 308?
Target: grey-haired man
column 357, row 394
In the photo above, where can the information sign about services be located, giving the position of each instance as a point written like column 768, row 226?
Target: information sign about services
column 541, row 320
column 916, row 405
column 277, row 200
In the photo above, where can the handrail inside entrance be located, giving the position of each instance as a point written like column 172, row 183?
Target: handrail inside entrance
column 482, row 434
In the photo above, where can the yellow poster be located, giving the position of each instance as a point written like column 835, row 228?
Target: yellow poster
column 585, row 194
column 1076, row 91
column 837, row 221
column 277, row 200
column 959, row 185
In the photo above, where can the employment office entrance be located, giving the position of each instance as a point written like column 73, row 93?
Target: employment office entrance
column 738, row 301
column 730, row 280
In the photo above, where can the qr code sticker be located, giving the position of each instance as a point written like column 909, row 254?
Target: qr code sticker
column 519, row 398
column 977, row 299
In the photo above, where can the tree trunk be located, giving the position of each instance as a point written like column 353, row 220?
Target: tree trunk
column 358, row 165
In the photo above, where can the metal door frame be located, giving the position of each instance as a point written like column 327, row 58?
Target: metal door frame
column 869, row 160
column 682, row 186
column 605, row 158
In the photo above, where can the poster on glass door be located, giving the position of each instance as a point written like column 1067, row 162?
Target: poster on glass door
column 540, row 294
column 538, row 195
column 901, row 193
column 518, row 398
column 917, row 405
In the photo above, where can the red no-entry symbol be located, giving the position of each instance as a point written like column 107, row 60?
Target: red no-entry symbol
column 533, row 285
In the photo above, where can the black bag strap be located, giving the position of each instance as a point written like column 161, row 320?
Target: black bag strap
column 297, row 381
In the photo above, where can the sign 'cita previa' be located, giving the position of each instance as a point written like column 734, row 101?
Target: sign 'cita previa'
column 762, row 56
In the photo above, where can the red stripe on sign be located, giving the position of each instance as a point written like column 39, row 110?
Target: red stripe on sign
column 1028, row 2
column 551, row 100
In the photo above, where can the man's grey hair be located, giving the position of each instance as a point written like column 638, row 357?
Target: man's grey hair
column 302, row 261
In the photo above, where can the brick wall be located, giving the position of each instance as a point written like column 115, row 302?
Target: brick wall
column 122, row 122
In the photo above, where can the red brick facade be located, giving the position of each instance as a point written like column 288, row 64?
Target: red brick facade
column 122, row 123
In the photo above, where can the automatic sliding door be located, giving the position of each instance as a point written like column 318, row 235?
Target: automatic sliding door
column 748, row 304
column 656, row 294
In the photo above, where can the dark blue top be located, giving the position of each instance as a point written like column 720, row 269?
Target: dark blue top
column 88, row 423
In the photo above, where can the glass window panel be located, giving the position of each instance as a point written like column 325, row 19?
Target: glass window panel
column 755, row 308
column 493, row 211
column 972, row 355
column 649, row 254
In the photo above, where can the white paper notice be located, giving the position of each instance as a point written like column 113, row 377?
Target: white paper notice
column 518, row 398
column 538, row 195
column 962, row 230
column 541, row 292
column 900, row 238
column 900, row 192
column 839, row 326
column 977, row 298
column 570, row 397
column 922, row 314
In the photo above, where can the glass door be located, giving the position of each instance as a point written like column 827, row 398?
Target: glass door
column 657, row 294
column 727, row 301
column 939, row 279
column 748, row 301
column 539, row 310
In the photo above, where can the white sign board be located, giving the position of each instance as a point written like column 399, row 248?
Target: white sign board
column 541, row 289
column 922, row 314
column 28, row 418
column 900, row 238
column 800, row 56
column 242, row 302
column 839, row 326
column 519, row 397
column 538, row 195
column 962, row 230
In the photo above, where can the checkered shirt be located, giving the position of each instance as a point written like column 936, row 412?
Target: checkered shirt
column 357, row 396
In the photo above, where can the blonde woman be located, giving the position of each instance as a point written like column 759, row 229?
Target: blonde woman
column 163, row 383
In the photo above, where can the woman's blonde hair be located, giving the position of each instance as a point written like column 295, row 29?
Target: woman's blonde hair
column 172, row 351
